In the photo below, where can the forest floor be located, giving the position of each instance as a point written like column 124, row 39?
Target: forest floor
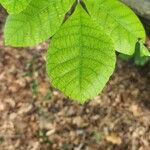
column 35, row 116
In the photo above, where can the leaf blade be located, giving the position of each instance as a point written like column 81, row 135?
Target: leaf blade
column 119, row 22
column 37, row 23
column 81, row 58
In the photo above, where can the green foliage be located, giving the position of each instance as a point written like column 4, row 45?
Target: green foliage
column 41, row 134
column 15, row 6
column 76, row 60
column 34, row 87
column 81, row 57
column 39, row 21
column 138, row 57
column 97, row 136
column 1, row 140
column 119, row 22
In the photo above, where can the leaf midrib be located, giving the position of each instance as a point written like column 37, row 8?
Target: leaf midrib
column 80, row 52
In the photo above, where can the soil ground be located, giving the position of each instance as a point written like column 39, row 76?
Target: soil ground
column 35, row 116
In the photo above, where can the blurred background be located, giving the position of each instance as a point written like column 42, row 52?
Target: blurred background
column 35, row 116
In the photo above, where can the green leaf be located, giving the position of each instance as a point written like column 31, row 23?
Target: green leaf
column 38, row 22
column 143, row 49
column 140, row 56
column 119, row 22
column 14, row 6
column 81, row 57
column 141, row 53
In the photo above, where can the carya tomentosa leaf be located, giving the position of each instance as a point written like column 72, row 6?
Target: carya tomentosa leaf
column 119, row 22
column 14, row 6
column 39, row 21
column 81, row 57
